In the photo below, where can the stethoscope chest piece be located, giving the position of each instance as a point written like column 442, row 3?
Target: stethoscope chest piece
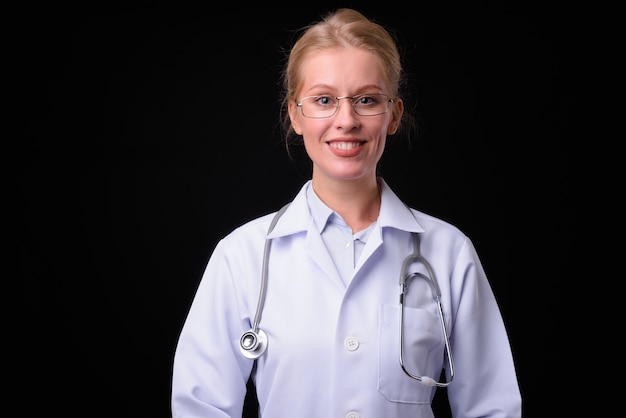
column 253, row 344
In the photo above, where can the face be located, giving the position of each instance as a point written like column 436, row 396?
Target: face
column 345, row 146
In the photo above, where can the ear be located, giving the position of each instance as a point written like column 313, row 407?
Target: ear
column 397, row 109
column 294, row 117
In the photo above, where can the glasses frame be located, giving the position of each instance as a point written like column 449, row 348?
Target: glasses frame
column 338, row 98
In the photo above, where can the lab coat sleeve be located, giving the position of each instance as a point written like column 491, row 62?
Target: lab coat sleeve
column 209, row 373
column 485, row 382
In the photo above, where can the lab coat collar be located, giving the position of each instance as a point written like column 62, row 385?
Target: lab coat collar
column 393, row 214
column 296, row 218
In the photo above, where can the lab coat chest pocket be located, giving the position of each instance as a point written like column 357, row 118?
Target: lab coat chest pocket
column 423, row 353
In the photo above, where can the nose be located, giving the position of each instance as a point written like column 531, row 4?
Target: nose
column 345, row 111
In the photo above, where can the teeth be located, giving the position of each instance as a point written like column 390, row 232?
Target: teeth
column 344, row 145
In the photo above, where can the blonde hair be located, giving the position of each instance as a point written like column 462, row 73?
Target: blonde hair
column 343, row 27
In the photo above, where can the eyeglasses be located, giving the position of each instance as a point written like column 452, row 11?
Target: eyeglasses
column 318, row 107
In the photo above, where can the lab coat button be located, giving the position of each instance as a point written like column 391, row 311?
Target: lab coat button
column 351, row 343
column 353, row 415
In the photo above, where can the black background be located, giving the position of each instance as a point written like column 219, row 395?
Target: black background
column 149, row 130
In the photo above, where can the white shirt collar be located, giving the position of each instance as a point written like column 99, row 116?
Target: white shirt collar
column 394, row 213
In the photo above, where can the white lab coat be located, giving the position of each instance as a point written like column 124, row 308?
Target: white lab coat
column 333, row 351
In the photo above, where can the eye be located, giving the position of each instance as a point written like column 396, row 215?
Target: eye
column 325, row 100
column 365, row 100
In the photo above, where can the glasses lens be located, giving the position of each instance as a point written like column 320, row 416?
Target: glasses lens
column 370, row 104
column 319, row 106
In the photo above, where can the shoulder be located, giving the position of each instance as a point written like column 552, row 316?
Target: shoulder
column 252, row 228
column 432, row 223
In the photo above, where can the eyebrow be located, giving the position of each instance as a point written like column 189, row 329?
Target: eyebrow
column 327, row 87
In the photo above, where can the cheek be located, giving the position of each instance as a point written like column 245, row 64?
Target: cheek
column 381, row 146
column 382, row 133
column 314, row 129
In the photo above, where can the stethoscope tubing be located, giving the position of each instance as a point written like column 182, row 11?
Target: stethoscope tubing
column 253, row 343
column 431, row 279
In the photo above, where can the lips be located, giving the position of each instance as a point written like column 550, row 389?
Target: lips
column 345, row 145
column 346, row 148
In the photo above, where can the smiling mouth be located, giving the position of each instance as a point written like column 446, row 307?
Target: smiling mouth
column 345, row 145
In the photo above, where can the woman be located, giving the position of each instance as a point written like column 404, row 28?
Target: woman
column 319, row 333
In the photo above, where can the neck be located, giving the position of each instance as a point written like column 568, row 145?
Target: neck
column 357, row 202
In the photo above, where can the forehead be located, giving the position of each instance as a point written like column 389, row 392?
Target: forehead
column 344, row 70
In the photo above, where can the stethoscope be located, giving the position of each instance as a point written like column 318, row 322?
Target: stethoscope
column 253, row 343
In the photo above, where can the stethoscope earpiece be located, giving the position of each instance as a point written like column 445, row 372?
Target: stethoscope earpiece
column 253, row 344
